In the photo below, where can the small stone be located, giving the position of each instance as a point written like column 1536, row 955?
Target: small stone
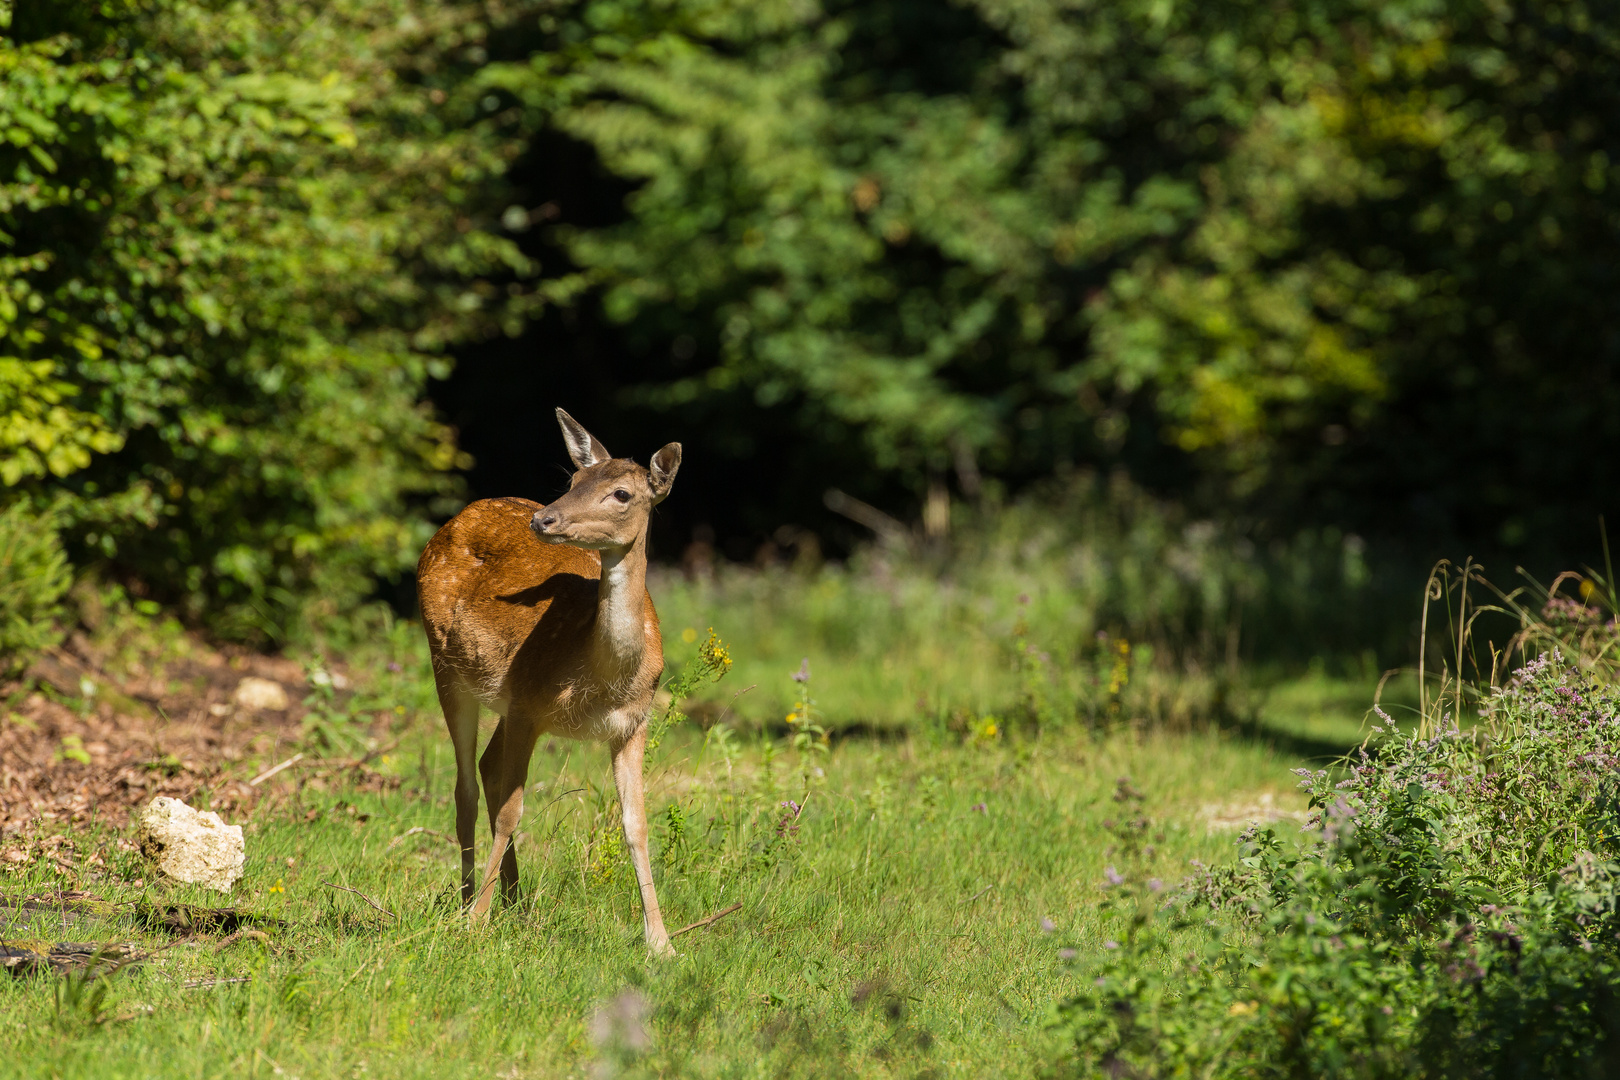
column 193, row 846
column 264, row 694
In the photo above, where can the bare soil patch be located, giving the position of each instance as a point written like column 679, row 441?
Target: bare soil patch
column 91, row 732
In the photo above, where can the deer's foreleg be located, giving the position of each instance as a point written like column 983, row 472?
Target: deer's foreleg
column 627, row 763
column 461, row 717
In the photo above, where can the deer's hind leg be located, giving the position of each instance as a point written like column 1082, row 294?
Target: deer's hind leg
column 461, row 717
column 509, row 772
column 491, row 767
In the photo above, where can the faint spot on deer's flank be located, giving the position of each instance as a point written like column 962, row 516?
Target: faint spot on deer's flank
column 1259, row 809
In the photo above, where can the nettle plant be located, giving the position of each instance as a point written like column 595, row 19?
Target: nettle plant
column 1513, row 803
column 1452, row 912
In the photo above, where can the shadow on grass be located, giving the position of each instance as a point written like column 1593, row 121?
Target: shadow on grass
column 1316, row 751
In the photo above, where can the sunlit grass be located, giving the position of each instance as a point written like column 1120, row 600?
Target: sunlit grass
column 896, row 928
column 899, row 931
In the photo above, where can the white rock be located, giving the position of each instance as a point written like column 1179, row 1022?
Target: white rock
column 256, row 693
column 193, row 846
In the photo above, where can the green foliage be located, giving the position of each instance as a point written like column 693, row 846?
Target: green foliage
column 236, row 239
column 1272, row 236
column 39, row 434
column 34, row 576
column 1454, row 916
column 1029, row 611
column 236, row 242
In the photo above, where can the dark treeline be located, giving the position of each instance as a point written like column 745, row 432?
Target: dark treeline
column 1338, row 264
column 1376, row 272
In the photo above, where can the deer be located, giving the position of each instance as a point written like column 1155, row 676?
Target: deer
column 541, row 613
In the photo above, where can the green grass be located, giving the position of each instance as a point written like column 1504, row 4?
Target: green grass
column 898, row 934
column 1321, row 716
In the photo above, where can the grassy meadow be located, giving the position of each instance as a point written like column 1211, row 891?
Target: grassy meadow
column 916, row 894
column 897, row 931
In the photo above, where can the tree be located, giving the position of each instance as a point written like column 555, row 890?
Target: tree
column 1334, row 253
column 237, row 240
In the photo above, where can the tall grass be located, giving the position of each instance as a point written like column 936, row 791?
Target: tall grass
column 1088, row 599
column 1490, row 632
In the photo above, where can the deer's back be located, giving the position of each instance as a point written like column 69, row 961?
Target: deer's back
column 490, row 590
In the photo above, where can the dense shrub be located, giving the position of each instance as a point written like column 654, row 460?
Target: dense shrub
column 236, row 239
column 1452, row 915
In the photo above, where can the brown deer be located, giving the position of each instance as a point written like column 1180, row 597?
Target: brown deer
column 542, row 614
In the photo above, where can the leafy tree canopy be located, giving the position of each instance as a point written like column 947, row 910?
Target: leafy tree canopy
column 1356, row 249
column 1326, row 256
column 237, row 239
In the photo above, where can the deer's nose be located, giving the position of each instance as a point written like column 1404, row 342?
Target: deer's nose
column 544, row 519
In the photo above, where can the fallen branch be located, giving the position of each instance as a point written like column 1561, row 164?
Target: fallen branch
column 423, row 830
column 976, row 895
column 96, row 958
column 354, row 763
column 203, row 984
column 888, row 528
column 716, row 917
column 232, row 939
column 362, row 896
column 268, row 773
column 123, row 1018
column 190, row 919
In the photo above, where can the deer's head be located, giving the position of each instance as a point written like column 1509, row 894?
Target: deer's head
column 609, row 499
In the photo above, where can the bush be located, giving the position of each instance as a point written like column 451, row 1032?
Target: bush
column 1452, row 915
column 33, row 578
column 237, row 240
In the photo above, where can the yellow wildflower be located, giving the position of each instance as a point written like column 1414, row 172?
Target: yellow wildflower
column 714, row 652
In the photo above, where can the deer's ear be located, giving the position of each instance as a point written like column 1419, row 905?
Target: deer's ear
column 583, row 447
column 664, row 465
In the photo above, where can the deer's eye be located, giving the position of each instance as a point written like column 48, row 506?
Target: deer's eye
column 622, row 495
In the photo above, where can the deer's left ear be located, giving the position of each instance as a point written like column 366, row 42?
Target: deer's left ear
column 664, row 465
column 586, row 449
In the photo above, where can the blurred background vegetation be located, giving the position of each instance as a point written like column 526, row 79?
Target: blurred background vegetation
column 1205, row 326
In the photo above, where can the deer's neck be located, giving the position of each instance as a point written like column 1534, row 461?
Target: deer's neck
column 621, row 631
